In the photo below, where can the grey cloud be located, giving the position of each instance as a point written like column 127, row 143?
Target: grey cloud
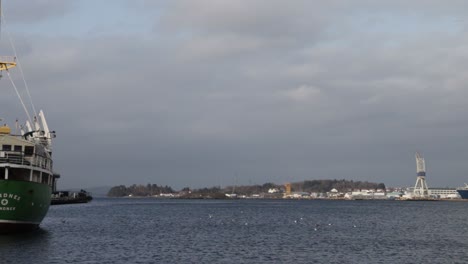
column 272, row 91
column 33, row 11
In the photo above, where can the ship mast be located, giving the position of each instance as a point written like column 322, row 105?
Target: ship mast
column 6, row 62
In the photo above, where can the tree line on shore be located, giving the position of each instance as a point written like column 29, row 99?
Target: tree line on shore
column 139, row 190
column 317, row 186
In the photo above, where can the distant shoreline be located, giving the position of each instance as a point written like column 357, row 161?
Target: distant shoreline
column 279, row 198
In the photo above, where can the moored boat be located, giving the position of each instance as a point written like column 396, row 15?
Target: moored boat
column 26, row 172
column 26, row 178
column 463, row 191
column 67, row 197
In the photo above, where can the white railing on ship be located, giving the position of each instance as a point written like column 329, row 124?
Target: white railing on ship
column 18, row 157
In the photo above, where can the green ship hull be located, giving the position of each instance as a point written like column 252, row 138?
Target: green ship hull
column 23, row 205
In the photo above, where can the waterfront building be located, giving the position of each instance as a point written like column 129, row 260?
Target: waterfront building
column 444, row 193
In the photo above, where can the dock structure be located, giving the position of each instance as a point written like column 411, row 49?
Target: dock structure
column 420, row 188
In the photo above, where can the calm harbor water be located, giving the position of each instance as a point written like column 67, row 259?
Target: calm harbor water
column 245, row 231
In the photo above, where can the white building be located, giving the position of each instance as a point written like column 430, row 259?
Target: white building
column 444, row 193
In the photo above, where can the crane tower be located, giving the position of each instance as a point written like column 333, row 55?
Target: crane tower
column 420, row 188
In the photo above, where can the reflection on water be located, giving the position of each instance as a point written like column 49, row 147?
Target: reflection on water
column 35, row 243
column 38, row 236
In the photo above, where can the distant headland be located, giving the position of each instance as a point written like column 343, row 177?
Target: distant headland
column 309, row 188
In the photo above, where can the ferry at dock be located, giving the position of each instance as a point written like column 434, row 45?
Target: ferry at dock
column 27, row 178
column 463, row 191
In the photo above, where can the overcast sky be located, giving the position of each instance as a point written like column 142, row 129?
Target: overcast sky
column 217, row 92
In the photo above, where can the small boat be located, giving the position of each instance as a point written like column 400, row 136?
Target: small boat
column 67, row 197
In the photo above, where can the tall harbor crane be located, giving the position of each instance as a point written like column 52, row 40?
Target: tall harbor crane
column 420, row 188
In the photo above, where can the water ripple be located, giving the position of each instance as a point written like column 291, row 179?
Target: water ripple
column 245, row 231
